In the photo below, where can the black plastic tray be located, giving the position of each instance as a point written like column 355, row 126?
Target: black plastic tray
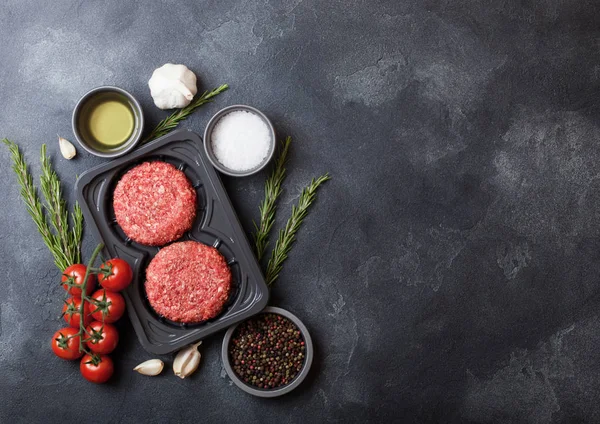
column 216, row 225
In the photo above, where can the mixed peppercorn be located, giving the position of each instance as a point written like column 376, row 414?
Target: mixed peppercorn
column 267, row 351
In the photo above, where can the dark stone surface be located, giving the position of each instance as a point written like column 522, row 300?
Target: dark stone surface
column 448, row 272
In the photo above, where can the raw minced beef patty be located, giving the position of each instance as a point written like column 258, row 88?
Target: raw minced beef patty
column 188, row 282
column 154, row 203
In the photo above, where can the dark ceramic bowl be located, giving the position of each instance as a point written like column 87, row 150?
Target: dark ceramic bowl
column 133, row 140
column 208, row 142
column 278, row 391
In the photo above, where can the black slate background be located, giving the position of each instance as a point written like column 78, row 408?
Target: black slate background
column 449, row 270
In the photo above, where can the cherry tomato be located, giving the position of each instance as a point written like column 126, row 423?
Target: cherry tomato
column 72, row 280
column 108, row 306
column 97, row 368
column 103, row 337
column 115, row 274
column 65, row 344
column 71, row 312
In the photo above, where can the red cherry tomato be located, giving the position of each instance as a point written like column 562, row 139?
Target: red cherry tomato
column 71, row 312
column 103, row 338
column 107, row 306
column 115, row 274
column 72, row 280
column 65, row 344
column 97, row 369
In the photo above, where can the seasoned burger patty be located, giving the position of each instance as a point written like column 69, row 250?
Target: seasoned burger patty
column 188, row 282
column 154, row 203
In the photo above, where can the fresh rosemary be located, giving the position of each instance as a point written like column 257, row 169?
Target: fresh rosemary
column 287, row 236
column 268, row 205
column 64, row 242
column 170, row 122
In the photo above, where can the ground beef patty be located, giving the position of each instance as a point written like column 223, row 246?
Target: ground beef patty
column 154, row 203
column 188, row 282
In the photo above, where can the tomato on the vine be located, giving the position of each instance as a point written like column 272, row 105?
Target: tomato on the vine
column 65, row 344
column 102, row 338
column 115, row 274
column 107, row 306
column 72, row 280
column 71, row 310
column 96, row 368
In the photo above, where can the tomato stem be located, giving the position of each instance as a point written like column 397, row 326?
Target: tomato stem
column 84, row 296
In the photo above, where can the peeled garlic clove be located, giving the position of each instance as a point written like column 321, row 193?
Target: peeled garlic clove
column 187, row 361
column 150, row 367
column 66, row 148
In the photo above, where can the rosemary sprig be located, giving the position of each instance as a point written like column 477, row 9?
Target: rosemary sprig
column 56, row 206
column 170, row 122
column 32, row 201
column 287, row 236
column 268, row 205
column 63, row 243
column 76, row 231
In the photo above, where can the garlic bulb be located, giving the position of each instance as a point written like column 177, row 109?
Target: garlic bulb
column 187, row 361
column 151, row 367
column 66, row 148
column 172, row 86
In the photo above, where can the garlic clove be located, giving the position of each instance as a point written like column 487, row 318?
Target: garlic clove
column 151, row 367
column 66, row 148
column 187, row 361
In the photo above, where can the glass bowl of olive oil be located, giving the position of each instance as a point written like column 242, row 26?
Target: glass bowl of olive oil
column 108, row 122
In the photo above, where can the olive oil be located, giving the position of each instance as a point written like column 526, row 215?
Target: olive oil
column 107, row 120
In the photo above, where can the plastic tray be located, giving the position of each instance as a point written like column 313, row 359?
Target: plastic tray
column 216, row 225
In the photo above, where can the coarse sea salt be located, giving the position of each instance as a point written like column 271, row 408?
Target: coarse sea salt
column 241, row 140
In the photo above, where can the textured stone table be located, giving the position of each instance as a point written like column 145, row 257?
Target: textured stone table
column 449, row 271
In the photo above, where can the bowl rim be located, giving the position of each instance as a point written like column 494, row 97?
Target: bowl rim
column 208, row 145
column 128, row 146
column 277, row 391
